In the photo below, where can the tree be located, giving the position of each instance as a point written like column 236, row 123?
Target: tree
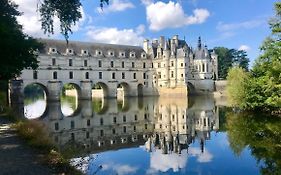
column 68, row 12
column 228, row 58
column 17, row 50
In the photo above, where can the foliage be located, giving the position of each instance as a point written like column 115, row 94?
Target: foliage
column 68, row 12
column 260, row 134
column 237, row 80
column 17, row 49
column 227, row 58
column 263, row 88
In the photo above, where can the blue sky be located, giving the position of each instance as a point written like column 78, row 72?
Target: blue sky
column 239, row 24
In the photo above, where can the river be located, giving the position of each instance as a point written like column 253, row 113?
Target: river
column 154, row 135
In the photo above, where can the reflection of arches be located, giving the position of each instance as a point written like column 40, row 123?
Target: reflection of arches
column 35, row 100
column 100, row 105
column 190, row 88
column 97, row 90
column 123, row 105
column 140, row 90
column 123, row 90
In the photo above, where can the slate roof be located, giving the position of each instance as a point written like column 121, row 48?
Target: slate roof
column 77, row 46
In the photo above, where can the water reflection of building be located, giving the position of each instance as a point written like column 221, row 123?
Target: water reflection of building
column 176, row 125
column 169, row 125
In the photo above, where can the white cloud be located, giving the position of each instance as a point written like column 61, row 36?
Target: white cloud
column 244, row 47
column 206, row 156
column 30, row 19
column 162, row 15
column 116, row 36
column 164, row 162
column 116, row 6
column 120, row 169
column 241, row 25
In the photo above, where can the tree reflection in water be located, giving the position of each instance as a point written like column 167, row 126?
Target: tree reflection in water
column 261, row 134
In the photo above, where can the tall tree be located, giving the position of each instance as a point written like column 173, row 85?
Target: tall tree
column 17, row 50
column 68, row 12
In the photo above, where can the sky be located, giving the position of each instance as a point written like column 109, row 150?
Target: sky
column 238, row 24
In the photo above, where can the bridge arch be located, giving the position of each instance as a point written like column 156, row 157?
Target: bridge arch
column 140, row 90
column 100, row 89
column 69, row 95
column 190, row 89
column 123, row 90
column 35, row 100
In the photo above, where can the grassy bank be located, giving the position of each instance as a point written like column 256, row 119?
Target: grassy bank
column 34, row 133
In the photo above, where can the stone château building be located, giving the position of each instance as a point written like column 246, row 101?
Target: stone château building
column 162, row 67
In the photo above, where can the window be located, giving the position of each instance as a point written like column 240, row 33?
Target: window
column 203, row 67
column 56, row 126
column 136, row 117
column 144, row 75
column 172, row 74
column 159, row 65
column 111, row 64
column 70, row 75
column 88, row 122
column 53, row 61
column 132, row 54
column 113, row 131
column 85, row 62
column 145, row 126
column 182, row 75
column 101, row 121
column 135, row 128
column 100, row 63
column 124, row 118
column 35, row 74
column 181, row 64
column 159, row 74
column 101, row 132
column 55, row 75
column 100, row 75
column 151, row 65
column 114, row 120
column 143, row 65
column 124, row 129
column 72, row 124
column 123, row 64
column 133, row 65
column 135, row 75
column 70, row 62
column 87, row 135
column 172, row 64
column 87, row 75
column 123, row 75
column 113, row 75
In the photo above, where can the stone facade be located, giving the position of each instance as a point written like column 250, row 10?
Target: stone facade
column 162, row 67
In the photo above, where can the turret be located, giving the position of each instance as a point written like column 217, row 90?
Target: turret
column 162, row 41
column 173, row 47
column 199, row 46
column 146, row 45
column 176, row 38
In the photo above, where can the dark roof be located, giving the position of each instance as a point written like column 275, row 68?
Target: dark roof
column 77, row 46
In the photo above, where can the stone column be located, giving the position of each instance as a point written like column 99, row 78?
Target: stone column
column 86, row 90
column 111, row 90
column 16, row 97
column 54, row 88
column 53, row 110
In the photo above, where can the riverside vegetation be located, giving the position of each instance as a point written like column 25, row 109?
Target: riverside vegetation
column 260, row 88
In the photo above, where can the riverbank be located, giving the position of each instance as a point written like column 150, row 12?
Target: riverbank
column 26, row 149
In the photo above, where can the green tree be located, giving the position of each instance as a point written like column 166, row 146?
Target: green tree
column 17, row 50
column 228, row 58
column 224, row 61
column 68, row 12
column 237, row 83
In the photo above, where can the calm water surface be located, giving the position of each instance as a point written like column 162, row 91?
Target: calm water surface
column 160, row 136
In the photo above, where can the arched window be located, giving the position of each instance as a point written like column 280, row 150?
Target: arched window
column 55, row 75
column 87, row 75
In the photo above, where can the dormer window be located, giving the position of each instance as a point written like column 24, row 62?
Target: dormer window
column 84, row 52
column 132, row 54
column 98, row 52
column 122, row 54
column 69, row 51
column 110, row 53
column 52, row 50
column 143, row 55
